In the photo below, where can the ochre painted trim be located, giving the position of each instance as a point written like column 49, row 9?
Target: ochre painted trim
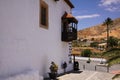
column 44, row 4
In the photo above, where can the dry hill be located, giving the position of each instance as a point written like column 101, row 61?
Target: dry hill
column 99, row 31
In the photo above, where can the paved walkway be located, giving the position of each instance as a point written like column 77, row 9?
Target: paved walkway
column 89, row 72
column 87, row 75
column 95, row 65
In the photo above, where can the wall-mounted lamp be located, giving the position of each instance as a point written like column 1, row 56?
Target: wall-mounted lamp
column 56, row 0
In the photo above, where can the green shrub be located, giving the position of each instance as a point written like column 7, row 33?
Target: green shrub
column 86, row 53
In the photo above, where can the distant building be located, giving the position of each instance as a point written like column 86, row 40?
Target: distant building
column 102, row 46
column 31, row 35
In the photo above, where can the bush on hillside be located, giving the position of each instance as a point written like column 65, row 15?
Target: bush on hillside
column 86, row 53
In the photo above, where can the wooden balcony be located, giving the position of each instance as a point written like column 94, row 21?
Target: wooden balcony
column 69, row 28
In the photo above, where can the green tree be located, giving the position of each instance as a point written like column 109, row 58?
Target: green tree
column 86, row 53
column 108, row 22
column 112, row 42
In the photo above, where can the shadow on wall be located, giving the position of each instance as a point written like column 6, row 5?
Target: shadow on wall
column 45, row 66
column 25, row 75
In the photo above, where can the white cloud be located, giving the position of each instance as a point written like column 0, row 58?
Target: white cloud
column 109, row 2
column 110, row 5
column 87, row 16
column 111, row 8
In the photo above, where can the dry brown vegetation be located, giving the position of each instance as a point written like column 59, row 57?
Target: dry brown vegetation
column 78, row 50
column 99, row 31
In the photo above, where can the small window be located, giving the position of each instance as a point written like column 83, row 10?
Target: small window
column 43, row 14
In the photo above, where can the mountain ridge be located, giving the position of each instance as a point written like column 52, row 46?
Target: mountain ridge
column 99, row 31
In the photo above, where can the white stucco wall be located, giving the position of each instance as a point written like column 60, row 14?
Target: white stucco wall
column 23, row 44
column 26, row 75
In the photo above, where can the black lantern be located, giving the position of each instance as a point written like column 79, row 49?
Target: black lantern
column 69, row 27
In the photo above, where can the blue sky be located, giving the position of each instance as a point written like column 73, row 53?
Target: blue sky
column 92, row 12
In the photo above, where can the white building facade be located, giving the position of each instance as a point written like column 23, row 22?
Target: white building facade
column 24, row 43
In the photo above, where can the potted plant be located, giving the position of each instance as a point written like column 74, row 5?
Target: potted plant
column 88, row 61
column 53, row 70
column 64, row 66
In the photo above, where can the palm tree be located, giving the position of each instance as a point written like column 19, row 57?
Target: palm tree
column 108, row 22
column 113, row 42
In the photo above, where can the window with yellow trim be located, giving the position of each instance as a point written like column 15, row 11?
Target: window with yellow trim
column 43, row 14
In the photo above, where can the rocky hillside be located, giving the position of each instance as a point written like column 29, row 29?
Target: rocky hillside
column 99, row 31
